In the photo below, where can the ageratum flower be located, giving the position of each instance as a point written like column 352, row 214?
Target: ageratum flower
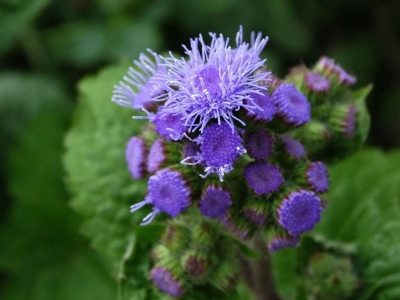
column 215, row 202
column 214, row 82
column 299, row 212
column 168, row 192
column 135, row 154
column 140, row 89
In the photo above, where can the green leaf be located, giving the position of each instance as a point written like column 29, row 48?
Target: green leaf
column 42, row 253
column 95, row 162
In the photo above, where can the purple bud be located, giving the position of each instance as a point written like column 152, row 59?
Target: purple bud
column 166, row 282
column 293, row 148
column 168, row 192
column 156, row 156
column 344, row 77
column 169, row 126
column 263, row 178
column 327, row 66
column 259, row 144
column 215, row 202
column 316, row 83
column 350, row 121
column 299, row 212
column 268, row 111
column 220, row 148
column 317, row 177
column 292, row 105
column 279, row 243
column 135, row 154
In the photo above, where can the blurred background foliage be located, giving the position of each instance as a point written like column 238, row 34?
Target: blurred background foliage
column 47, row 46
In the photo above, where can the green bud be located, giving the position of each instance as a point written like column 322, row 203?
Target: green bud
column 330, row 277
column 175, row 237
column 195, row 264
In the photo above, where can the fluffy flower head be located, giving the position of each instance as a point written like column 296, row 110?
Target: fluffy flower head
column 214, row 82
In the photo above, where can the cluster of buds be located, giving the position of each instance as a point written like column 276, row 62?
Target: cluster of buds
column 220, row 139
column 205, row 253
column 340, row 121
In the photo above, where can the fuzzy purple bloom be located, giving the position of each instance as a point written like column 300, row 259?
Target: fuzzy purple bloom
column 263, row 178
column 293, row 148
column 350, row 122
column 140, row 89
column 264, row 101
column 279, row 243
column 299, row 212
column 215, row 81
column 169, row 125
column 164, row 280
column 292, row 105
column 135, row 154
column 215, row 202
column 317, row 177
column 220, row 148
column 259, row 144
column 316, row 83
column 167, row 192
column 156, row 156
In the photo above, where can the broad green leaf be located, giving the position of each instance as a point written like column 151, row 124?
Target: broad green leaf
column 42, row 254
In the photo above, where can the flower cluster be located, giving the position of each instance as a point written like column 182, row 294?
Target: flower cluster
column 227, row 136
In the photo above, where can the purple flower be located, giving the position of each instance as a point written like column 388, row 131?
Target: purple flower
column 259, row 144
column 164, row 280
column 168, row 192
column 219, row 147
column 292, row 105
column 316, row 83
column 263, row 178
column 293, row 148
column 140, row 89
column 215, row 202
column 299, row 212
column 317, row 177
column 156, row 156
column 350, row 121
column 267, row 111
column 135, row 154
column 169, row 125
column 279, row 243
column 215, row 82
